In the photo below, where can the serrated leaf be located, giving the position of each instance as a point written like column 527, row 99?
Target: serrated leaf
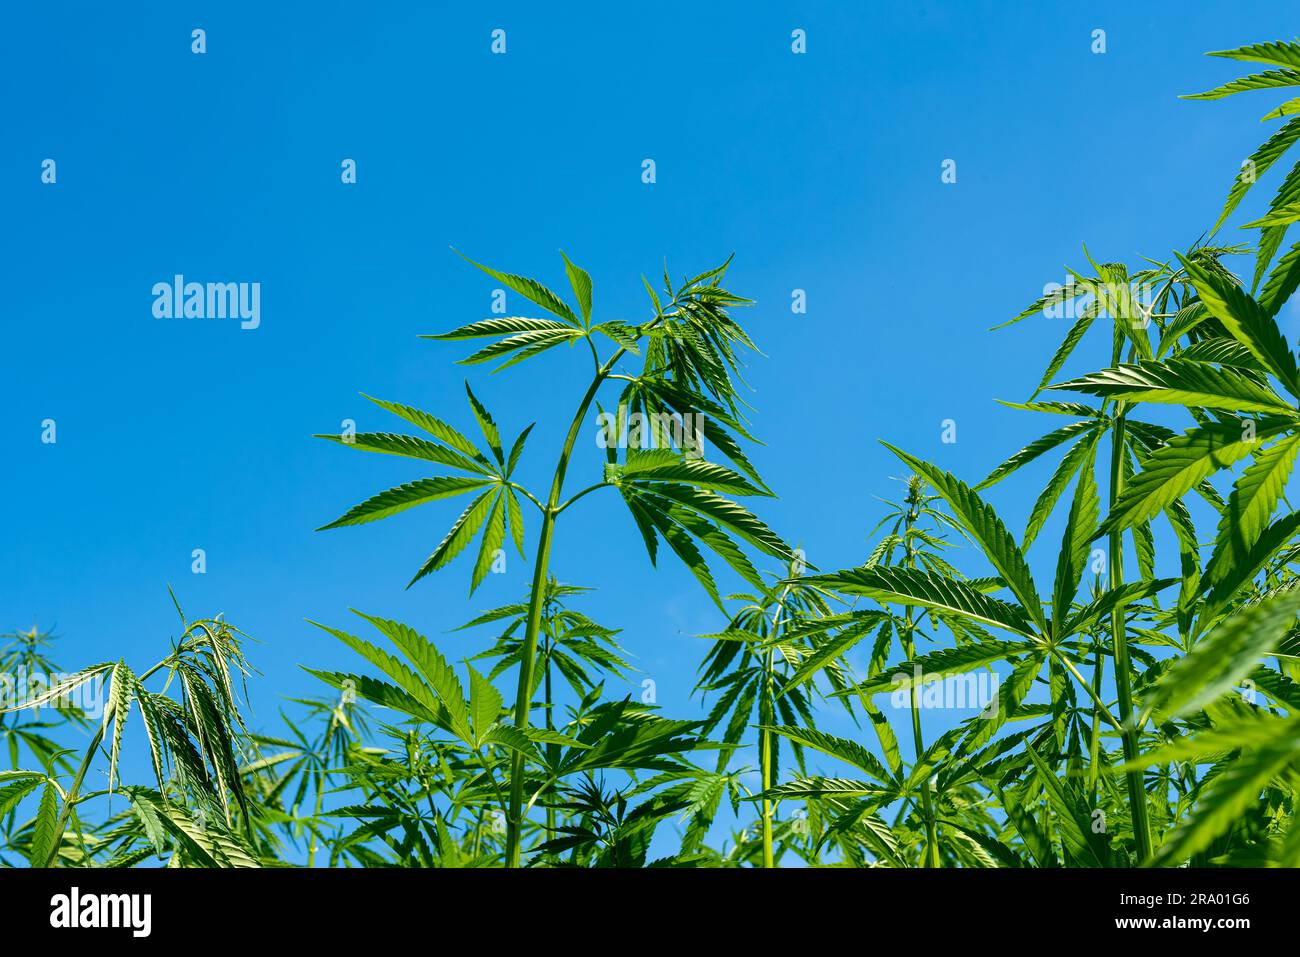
column 400, row 498
column 925, row 590
column 458, row 536
column 1246, row 321
column 434, row 426
column 1250, row 506
column 45, row 834
column 494, row 534
column 1181, row 382
column 530, row 289
column 1226, row 655
column 1170, row 472
column 503, row 326
column 986, row 529
column 581, row 283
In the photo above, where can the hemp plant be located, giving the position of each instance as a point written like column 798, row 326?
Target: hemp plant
column 685, row 395
column 200, row 813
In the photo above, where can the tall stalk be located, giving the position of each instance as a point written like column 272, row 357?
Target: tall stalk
column 689, row 362
column 541, row 566
column 931, row 855
column 765, row 754
column 1136, row 793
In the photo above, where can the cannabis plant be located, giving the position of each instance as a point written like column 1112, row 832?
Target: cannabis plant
column 684, row 396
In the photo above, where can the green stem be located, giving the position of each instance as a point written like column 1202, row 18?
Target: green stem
column 523, row 700
column 1119, row 637
column 71, row 798
column 1094, row 746
column 765, row 761
column 315, row 822
column 552, row 750
column 931, row 856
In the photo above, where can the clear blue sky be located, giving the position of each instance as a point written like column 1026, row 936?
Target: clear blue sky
column 820, row 171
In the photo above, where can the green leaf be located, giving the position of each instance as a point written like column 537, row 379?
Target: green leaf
column 487, row 425
column 581, row 283
column 726, row 513
column 434, row 426
column 1247, row 566
column 431, row 706
column 45, row 829
column 422, row 653
column 1072, row 339
column 516, row 516
column 681, row 544
column 524, row 346
column 1267, row 80
column 625, row 336
column 1123, row 596
column 1075, row 544
column 59, row 689
column 517, row 450
column 402, row 497
column 842, row 749
column 1070, row 464
column 938, row 664
column 1229, row 653
column 1281, row 216
column 1246, row 321
column 1282, row 283
column 460, row 535
column 1224, row 801
column 121, row 691
column 1036, row 448
column 1170, row 472
column 407, row 446
column 484, row 703
column 494, row 534
column 696, row 472
column 925, row 590
column 1180, row 382
column 503, row 326
column 381, row 693
column 530, row 289
column 1073, row 821
column 1223, row 351
column 832, row 648
column 1218, row 743
column 15, row 791
column 1250, row 506
column 812, row 788
column 986, row 529
column 1277, row 52
column 1259, row 162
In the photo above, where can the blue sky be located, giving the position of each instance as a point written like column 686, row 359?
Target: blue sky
column 820, row 171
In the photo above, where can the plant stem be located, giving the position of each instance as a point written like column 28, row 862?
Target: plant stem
column 71, row 798
column 523, row 700
column 1094, row 747
column 931, row 856
column 1136, row 792
column 552, row 750
column 765, row 757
